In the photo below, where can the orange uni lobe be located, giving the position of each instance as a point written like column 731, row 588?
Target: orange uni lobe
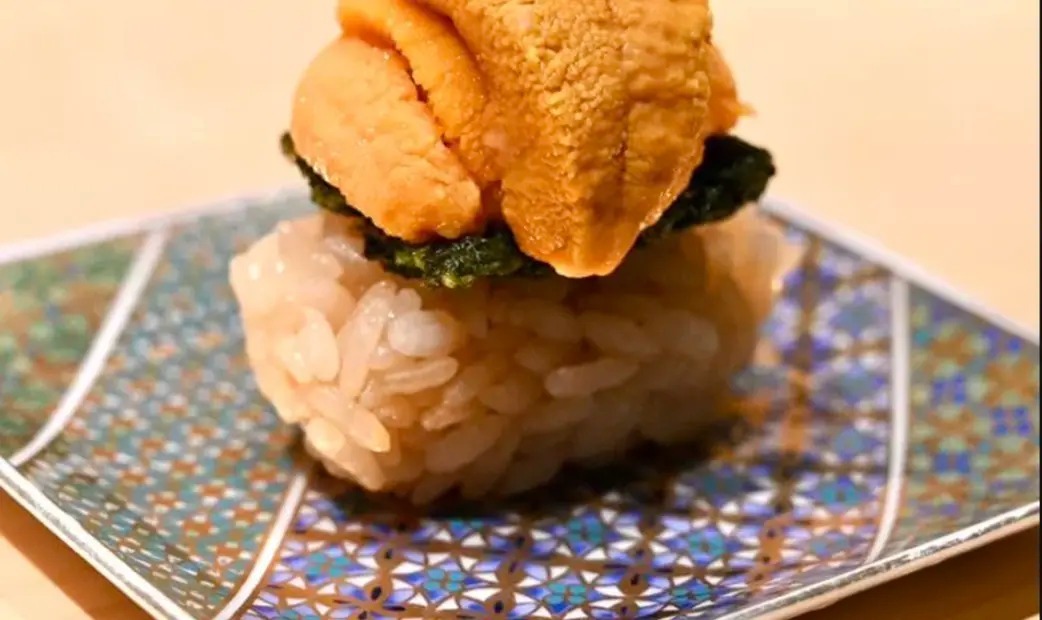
column 576, row 123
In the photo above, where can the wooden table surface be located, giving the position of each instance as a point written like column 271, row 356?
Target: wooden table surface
column 914, row 123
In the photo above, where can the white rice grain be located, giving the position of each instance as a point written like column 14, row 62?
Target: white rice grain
column 359, row 337
column 257, row 277
column 361, row 464
column 683, row 333
column 421, row 376
column 275, row 385
column 407, row 300
column 555, row 415
column 318, row 344
column 290, row 353
column 464, row 444
column 547, row 319
column 366, row 430
column 324, row 297
column 446, row 415
column 328, row 401
column 396, row 412
column 514, row 395
column 617, row 335
column 540, row 356
column 585, row 379
column 385, row 357
column 324, row 436
column 470, row 381
column 420, row 333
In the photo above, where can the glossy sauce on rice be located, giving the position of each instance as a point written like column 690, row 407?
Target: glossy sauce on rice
column 490, row 390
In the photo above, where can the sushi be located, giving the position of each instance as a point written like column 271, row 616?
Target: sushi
column 532, row 245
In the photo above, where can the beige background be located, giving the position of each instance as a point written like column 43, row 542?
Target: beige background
column 915, row 123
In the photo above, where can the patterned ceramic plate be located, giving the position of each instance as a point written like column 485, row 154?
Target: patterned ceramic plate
column 892, row 424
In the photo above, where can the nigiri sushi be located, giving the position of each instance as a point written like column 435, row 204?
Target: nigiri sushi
column 531, row 247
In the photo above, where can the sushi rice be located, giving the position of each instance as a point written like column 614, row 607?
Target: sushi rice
column 490, row 390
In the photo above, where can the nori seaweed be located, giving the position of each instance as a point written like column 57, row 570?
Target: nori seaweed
column 733, row 173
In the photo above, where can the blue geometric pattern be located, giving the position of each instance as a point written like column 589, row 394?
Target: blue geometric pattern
column 50, row 310
column 174, row 461
column 973, row 450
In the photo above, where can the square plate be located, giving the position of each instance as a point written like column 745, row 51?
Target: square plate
column 895, row 424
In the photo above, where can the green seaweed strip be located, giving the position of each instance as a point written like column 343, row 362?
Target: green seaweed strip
column 733, row 174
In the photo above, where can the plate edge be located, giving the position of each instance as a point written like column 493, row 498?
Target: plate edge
column 824, row 593
column 111, row 229
column 899, row 266
column 135, row 281
column 77, row 538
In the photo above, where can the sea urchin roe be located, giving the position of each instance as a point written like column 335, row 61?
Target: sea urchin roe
column 554, row 74
column 606, row 104
column 359, row 121
column 578, row 123
column 664, row 53
column 439, row 64
column 724, row 106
